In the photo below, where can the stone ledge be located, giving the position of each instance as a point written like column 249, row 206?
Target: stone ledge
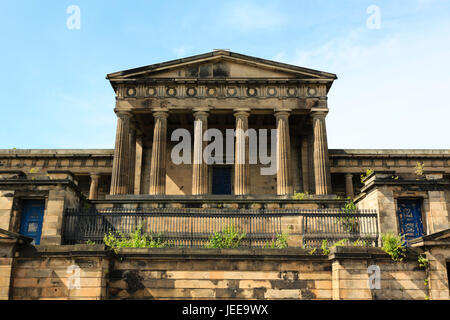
column 206, row 253
column 359, row 253
column 64, row 250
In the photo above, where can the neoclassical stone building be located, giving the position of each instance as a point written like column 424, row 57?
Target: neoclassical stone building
column 220, row 90
column 268, row 115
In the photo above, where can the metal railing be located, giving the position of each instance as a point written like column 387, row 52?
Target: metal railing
column 189, row 227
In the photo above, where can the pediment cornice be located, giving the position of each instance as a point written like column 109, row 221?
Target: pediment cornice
column 215, row 66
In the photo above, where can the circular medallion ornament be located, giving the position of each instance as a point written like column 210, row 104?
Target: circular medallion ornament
column 191, row 92
column 211, row 91
column 171, row 91
column 131, row 92
column 292, row 92
column 271, row 91
column 151, row 92
column 251, row 92
column 311, row 92
column 231, row 91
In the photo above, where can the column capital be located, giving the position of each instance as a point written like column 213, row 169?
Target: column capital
column 161, row 114
column 200, row 113
column 241, row 112
column 320, row 113
column 282, row 113
column 94, row 175
column 123, row 115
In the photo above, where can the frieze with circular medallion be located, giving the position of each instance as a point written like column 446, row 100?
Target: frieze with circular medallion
column 252, row 92
column 291, row 91
column 211, row 91
column 232, row 91
column 171, row 91
column 191, row 92
column 131, row 92
column 311, row 92
column 271, row 91
column 151, row 91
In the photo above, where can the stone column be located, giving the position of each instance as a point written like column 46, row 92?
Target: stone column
column 305, row 165
column 158, row 164
column 119, row 177
column 321, row 167
column 349, row 185
column 138, row 165
column 284, row 179
column 132, row 159
column 241, row 164
column 199, row 167
column 93, row 191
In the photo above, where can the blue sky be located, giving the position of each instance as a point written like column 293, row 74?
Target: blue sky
column 392, row 90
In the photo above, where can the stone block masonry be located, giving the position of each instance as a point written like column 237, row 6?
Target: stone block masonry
column 46, row 272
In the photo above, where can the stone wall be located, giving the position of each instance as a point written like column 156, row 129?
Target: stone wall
column 6, row 208
column 207, row 275
column 47, row 272
column 380, row 193
column 5, row 277
column 50, row 273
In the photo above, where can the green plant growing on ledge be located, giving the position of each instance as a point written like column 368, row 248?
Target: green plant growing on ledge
column 394, row 245
column 279, row 241
column 350, row 224
column 423, row 261
column 311, row 250
column 300, row 195
column 361, row 243
column 418, row 170
column 230, row 237
column 90, row 242
column 324, row 247
column 368, row 173
column 350, row 206
column 133, row 240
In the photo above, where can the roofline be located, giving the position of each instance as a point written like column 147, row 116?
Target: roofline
column 331, row 152
column 409, row 152
column 224, row 53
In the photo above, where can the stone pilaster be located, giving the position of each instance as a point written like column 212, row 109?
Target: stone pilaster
column 93, row 190
column 132, row 159
column 284, row 179
column 119, row 177
column 321, row 166
column 241, row 165
column 349, row 185
column 199, row 167
column 158, row 162
column 138, row 165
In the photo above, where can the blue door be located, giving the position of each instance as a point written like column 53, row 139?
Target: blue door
column 31, row 219
column 221, row 180
column 410, row 218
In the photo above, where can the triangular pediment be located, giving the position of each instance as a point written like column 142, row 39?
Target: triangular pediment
column 221, row 64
